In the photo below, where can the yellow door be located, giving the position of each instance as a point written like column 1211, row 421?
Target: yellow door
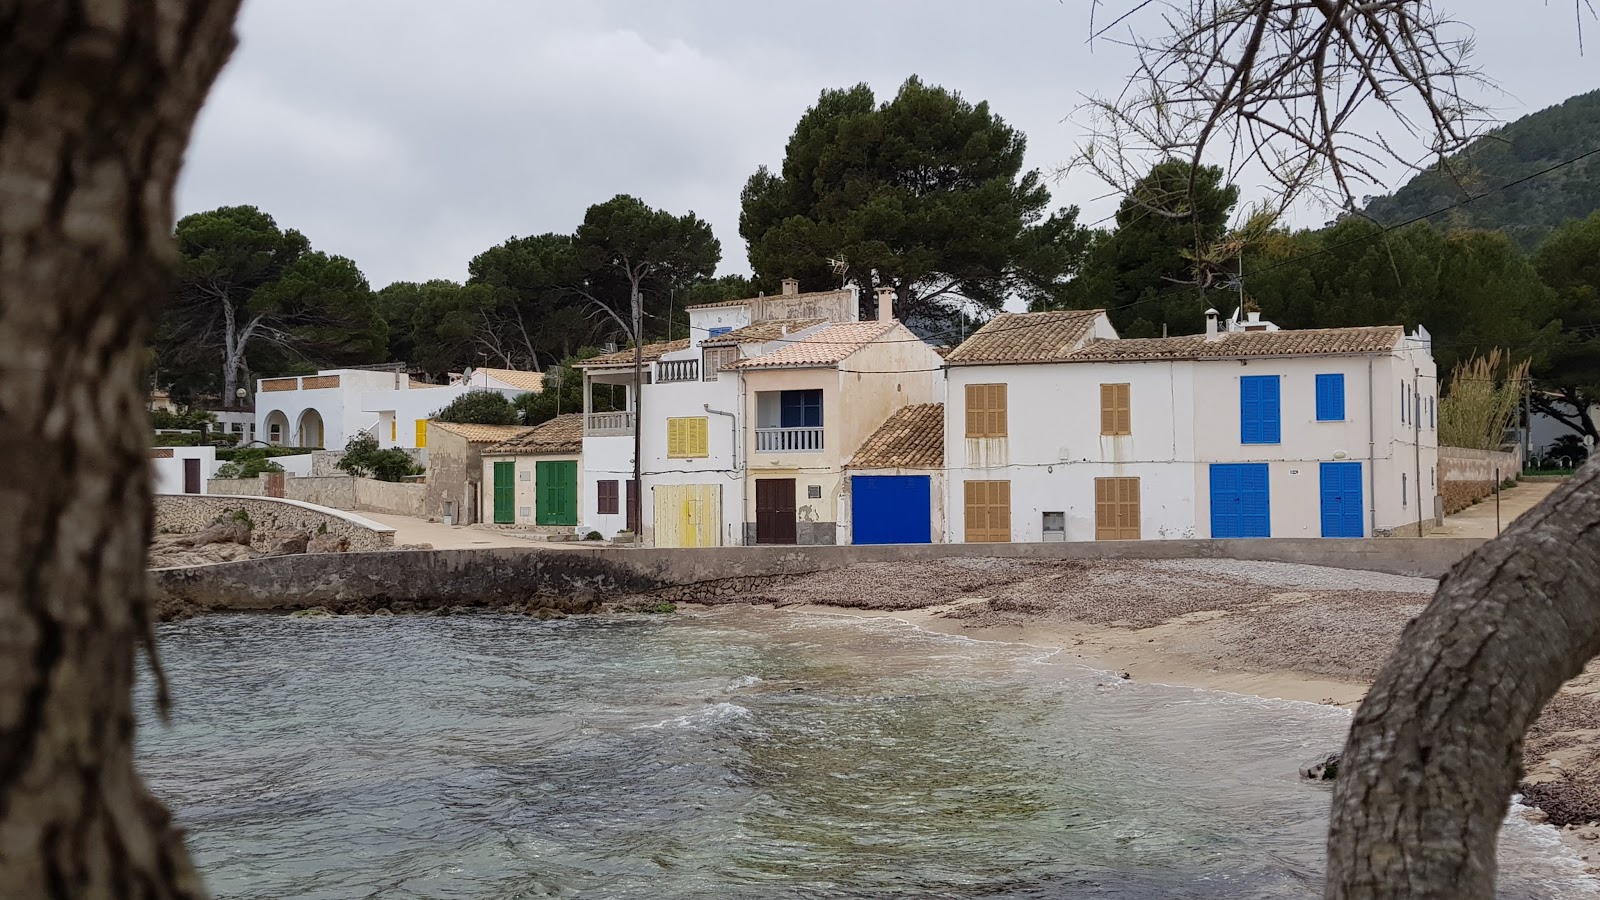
column 688, row 515
column 422, row 432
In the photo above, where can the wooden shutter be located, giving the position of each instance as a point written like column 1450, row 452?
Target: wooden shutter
column 1115, row 413
column 698, row 444
column 606, row 497
column 988, row 511
column 675, row 438
column 1116, row 509
column 422, row 432
column 986, row 410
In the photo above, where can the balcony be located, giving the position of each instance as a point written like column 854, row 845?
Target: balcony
column 788, row 440
column 669, row 370
column 607, row 424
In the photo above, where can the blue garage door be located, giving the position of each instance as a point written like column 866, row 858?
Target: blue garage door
column 1240, row 504
column 1341, row 500
column 891, row 509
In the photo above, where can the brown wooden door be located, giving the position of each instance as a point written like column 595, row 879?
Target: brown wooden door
column 775, row 522
column 191, row 476
column 633, row 507
column 1116, row 509
column 988, row 511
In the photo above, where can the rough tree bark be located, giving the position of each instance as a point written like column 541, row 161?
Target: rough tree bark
column 1435, row 751
column 97, row 99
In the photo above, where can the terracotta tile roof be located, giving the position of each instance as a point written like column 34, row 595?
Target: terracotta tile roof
column 652, row 352
column 1303, row 342
column 719, row 304
column 481, row 434
column 563, row 434
column 827, row 347
column 522, row 381
column 1026, row 337
column 761, row 332
column 912, row 438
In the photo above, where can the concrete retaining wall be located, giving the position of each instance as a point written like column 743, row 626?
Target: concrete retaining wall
column 1467, row 476
column 188, row 513
column 335, row 491
column 497, row 577
column 401, row 498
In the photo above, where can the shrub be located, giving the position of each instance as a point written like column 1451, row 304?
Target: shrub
column 593, row 536
column 363, row 459
column 479, row 408
column 1484, row 392
column 248, row 463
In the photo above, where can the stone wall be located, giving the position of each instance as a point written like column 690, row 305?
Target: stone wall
column 574, row 578
column 1467, row 476
column 406, row 498
column 189, row 513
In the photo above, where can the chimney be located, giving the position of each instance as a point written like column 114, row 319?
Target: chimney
column 791, row 286
column 886, row 304
column 1211, row 325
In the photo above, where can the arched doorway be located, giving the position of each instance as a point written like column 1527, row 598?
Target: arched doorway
column 277, row 427
column 311, row 429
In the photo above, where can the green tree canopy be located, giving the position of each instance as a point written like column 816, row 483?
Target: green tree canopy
column 925, row 193
column 478, row 408
column 563, row 393
column 1144, row 272
column 626, row 249
column 254, row 297
column 439, row 326
column 1569, row 263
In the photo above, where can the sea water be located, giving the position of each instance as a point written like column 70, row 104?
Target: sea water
column 732, row 754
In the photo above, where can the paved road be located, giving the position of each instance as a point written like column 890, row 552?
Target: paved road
column 408, row 530
column 1478, row 521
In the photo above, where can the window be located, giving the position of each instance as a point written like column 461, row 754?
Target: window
column 686, row 437
column 275, row 433
column 1405, row 495
column 986, row 411
column 394, row 431
column 800, row 409
column 988, row 509
column 813, row 492
column 1259, row 413
column 1405, row 401
column 1330, row 398
column 1115, row 417
column 606, row 493
column 1116, row 509
column 717, row 359
column 422, row 432
column 1432, row 426
column 718, row 331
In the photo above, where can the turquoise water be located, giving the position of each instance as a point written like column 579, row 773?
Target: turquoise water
column 738, row 754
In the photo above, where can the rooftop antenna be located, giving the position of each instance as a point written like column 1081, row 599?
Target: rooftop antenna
column 839, row 266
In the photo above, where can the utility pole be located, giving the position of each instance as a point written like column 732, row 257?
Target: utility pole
column 636, row 501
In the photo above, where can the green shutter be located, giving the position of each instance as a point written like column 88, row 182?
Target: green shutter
column 505, row 493
column 557, row 489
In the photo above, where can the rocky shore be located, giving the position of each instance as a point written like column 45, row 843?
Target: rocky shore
column 1272, row 629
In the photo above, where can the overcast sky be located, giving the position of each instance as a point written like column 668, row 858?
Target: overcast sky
column 412, row 135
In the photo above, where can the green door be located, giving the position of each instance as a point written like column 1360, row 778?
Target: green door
column 557, row 484
column 505, row 493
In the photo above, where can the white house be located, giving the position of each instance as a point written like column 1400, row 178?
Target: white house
column 1057, row 430
column 812, row 404
column 326, row 409
column 693, row 411
column 182, row 470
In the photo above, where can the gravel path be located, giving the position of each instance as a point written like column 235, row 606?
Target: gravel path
column 1284, row 575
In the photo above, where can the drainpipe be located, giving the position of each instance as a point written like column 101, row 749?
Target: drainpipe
column 1372, row 456
column 733, row 423
column 1416, row 422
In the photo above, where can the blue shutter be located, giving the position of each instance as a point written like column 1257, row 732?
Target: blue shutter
column 1342, row 515
column 717, row 332
column 1225, row 501
column 1241, row 505
column 1330, row 398
column 1256, row 514
column 1260, row 418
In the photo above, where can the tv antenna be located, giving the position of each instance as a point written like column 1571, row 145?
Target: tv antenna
column 839, row 266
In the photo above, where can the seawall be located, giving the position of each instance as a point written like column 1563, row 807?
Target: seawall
column 573, row 580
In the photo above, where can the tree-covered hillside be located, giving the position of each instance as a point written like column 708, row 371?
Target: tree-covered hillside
column 1529, row 211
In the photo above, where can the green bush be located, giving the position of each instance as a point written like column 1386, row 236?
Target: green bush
column 193, row 420
column 363, row 459
column 479, row 408
column 230, row 454
column 248, row 463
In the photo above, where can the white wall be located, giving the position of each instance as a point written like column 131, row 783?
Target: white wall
column 720, row 467
column 393, row 414
column 526, row 510
column 1185, row 415
column 701, row 321
column 168, row 472
column 608, row 458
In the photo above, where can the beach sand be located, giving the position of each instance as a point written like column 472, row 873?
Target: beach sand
column 1275, row 630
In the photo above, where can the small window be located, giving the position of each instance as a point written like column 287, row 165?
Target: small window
column 1055, row 523
column 800, row 409
column 986, row 411
column 1432, row 482
column 1330, row 398
column 1405, row 495
column 718, row 331
column 606, row 493
column 686, row 437
column 1405, row 401
column 813, row 492
column 1115, row 416
column 717, row 359
column 1432, row 425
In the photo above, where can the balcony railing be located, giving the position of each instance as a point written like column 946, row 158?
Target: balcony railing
column 677, row 370
column 786, row 440
column 608, row 423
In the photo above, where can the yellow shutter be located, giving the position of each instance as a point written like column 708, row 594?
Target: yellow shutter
column 422, row 432
column 394, row 431
column 1125, row 413
column 674, row 438
column 997, row 420
column 975, row 417
column 698, row 443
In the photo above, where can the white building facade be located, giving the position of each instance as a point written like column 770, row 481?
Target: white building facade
column 1068, row 433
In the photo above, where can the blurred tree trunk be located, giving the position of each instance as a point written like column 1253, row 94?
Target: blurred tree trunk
column 97, row 99
column 1435, row 751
